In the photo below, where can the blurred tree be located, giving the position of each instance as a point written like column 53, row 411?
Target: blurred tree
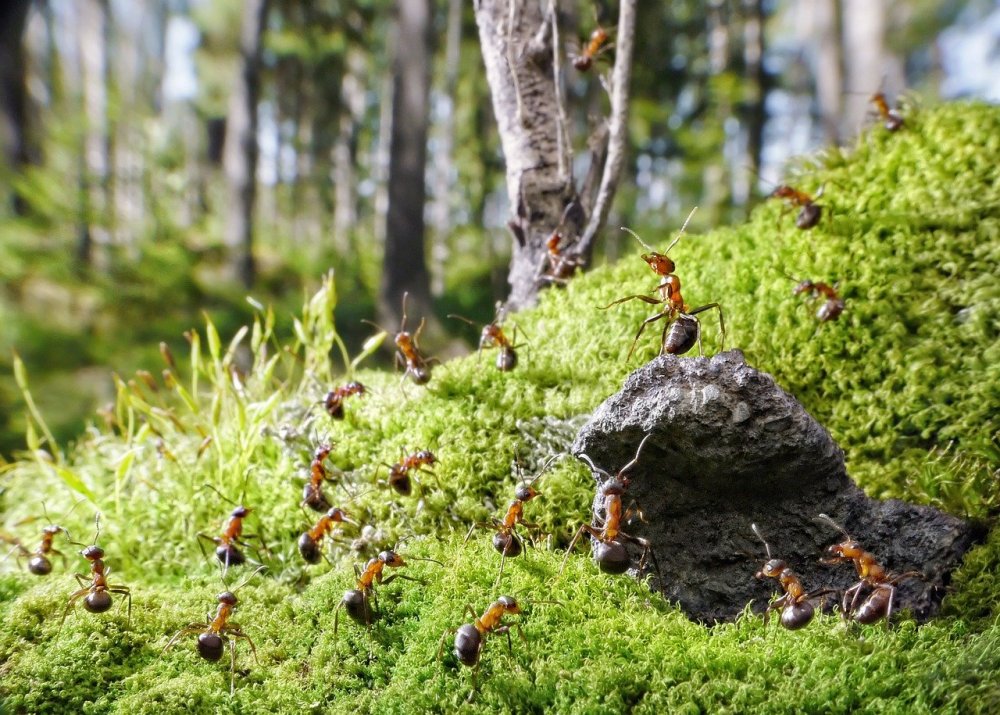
column 18, row 147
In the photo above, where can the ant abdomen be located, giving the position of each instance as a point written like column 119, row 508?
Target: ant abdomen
column 507, row 544
column 796, row 615
column 809, row 216
column 313, row 497
column 210, row 646
column 97, row 602
column 682, row 336
column 420, row 374
column 400, row 481
column 874, row 608
column 612, row 557
column 229, row 555
column 468, row 644
column 506, row 359
column 309, row 549
column 357, row 607
column 830, row 310
column 40, row 566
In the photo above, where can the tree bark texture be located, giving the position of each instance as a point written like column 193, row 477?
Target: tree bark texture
column 516, row 41
column 404, row 263
column 14, row 94
column 241, row 150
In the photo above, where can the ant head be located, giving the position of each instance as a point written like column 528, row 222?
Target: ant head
column 356, row 387
column 771, row 569
column 241, row 512
column 659, row 263
column 804, row 286
column 614, row 487
column 391, row 558
column 338, row 514
column 93, row 553
column 425, row 455
column 553, row 243
column 525, row 492
column 53, row 529
column 228, row 598
column 509, row 604
column 323, row 451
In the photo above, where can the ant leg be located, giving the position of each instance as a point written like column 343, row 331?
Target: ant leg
column 238, row 632
column 888, row 610
column 127, row 592
column 722, row 322
column 579, row 532
column 469, row 611
column 645, row 298
column 444, row 635
column 190, row 628
column 82, row 580
column 647, row 321
column 232, row 667
column 72, row 600
column 503, row 560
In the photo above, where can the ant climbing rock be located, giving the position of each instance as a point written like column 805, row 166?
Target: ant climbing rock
column 878, row 602
column 310, row 543
column 810, row 212
column 609, row 540
column 682, row 329
column 97, row 595
column 471, row 637
column 401, row 475
column 333, row 403
column 493, row 336
column 794, row 604
column 217, row 630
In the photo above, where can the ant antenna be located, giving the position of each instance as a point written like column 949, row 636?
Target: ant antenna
column 636, row 237
column 827, row 520
column 761, row 537
column 635, row 459
column 683, row 228
column 787, row 275
column 245, row 581
column 593, row 467
column 402, row 324
column 97, row 523
column 223, row 496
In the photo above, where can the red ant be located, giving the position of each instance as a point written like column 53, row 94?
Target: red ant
column 609, row 550
column 892, row 120
column 417, row 366
column 878, row 603
column 470, row 638
column 38, row 560
column 682, row 329
column 310, row 541
column 831, row 308
column 215, row 628
column 811, row 212
column 506, row 540
column 558, row 266
column 400, row 478
column 493, row 336
column 596, row 44
column 228, row 543
column 97, row 595
column 796, row 610
column 356, row 600
column 334, row 400
column 312, row 492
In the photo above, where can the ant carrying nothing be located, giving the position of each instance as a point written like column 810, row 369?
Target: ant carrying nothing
column 231, row 538
column 333, row 403
column 794, row 604
column 310, row 543
column 493, row 336
column 97, row 595
column 417, row 367
column 400, row 477
column 831, row 308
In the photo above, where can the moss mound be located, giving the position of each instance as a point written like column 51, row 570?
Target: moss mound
column 913, row 365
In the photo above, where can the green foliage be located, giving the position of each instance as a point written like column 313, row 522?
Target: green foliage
column 911, row 366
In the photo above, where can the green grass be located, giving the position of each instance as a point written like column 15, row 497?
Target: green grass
column 912, row 366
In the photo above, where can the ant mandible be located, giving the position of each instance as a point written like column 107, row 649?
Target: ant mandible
column 507, row 542
column 470, row 638
column 400, row 477
column 878, row 603
column 334, row 400
column 796, row 610
column 682, row 329
column 831, row 308
column 97, row 595
column 493, row 336
column 311, row 540
column 609, row 551
column 312, row 492
column 216, row 628
column 892, row 120
column 810, row 213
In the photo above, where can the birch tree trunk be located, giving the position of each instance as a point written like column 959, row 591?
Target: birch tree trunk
column 241, row 150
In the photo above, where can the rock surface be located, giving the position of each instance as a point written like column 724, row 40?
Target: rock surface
column 730, row 448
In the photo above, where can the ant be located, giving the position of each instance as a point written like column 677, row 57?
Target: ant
column 334, row 400
column 97, row 595
column 215, row 628
column 596, row 45
column 228, row 543
column 892, row 120
column 506, row 540
column 493, row 336
column 878, row 603
column 682, row 329
column 558, row 266
column 309, row 542
column 811, row 212
column 312, row 492
column 609, row 550
column 831, row 308
column 470, row 637
column 356, row 600
column 417, row 367
column 399, row 473
column 796, row 610
column 38, row 560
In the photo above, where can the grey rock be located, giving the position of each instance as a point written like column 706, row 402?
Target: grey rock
column 730, row 448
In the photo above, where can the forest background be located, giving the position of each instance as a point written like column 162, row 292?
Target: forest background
column 167, row 157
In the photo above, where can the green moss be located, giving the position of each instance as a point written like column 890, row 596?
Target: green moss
column 913, row 364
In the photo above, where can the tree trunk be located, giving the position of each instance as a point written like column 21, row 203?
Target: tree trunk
column 404, row 263
column 14, row 133
column 241, row 150
column 756, row 79
column 829, row 65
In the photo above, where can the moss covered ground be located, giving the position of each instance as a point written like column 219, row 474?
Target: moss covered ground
column 907, row 381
